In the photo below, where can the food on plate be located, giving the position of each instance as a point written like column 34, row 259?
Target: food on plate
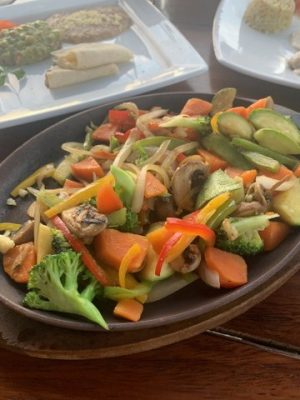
column 152, row 200
column 57, row 77
column 90, row 25
column 89, row 55
column 85, row 62
column 28, row 43
column 295, row 40
column 269, row 15
column 6, row 24
column 294, row 62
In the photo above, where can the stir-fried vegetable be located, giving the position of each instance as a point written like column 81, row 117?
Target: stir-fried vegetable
column 151, row 201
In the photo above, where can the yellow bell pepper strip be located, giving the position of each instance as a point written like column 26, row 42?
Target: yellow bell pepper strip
column 191, row 228
column 46, row 171
column 207, row 211
column 130, row 255
column 9, row 226
column 78, row 246
column 78, row 197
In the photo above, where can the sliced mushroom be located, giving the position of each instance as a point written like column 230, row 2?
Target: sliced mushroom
column 188, row 261
column 246, row 209
column 188, row 180
column 24, row 234
column 84, row 221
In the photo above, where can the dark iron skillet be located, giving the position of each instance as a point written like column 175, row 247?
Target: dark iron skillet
column 194, row 300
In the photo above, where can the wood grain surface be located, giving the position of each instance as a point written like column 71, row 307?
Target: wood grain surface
column 205, row 366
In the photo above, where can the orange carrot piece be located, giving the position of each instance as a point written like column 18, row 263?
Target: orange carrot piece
column 112, row 245
column 280, row 174
column 297, row 171
column 248, row 176
column 19, row 260
column 129, row 309
column 104, row 132
column 107, row 199
column 153, row 187
column 212, row 160
column 196, row 106
column 232, row 268
column 70, row 184
column 242, row 111
column 6, row 24
column 266, row 102
column 87, row 169
column 158, row 238
column 274, row 234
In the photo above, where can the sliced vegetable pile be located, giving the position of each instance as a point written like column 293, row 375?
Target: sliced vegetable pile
column 151, row 201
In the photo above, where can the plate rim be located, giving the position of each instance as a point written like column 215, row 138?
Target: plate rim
column 241, row 68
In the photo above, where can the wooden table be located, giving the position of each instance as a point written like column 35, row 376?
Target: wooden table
column 255, row 356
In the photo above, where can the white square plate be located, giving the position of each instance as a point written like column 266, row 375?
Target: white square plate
column 243, row 49
column 162, row 56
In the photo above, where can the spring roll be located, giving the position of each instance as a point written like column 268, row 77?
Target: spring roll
column 90, row 55
column 57, row 77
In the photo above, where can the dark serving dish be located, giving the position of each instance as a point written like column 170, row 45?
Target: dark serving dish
column 195, row 300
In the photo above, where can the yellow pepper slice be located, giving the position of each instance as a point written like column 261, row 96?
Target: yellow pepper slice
column 130, row 255
column 46, row 171
column 78, row 197
column 203, row 216
column 214, row 122
column 9, row 226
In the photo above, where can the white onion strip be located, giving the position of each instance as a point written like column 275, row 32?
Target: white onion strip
column 180, row 149
column 275, row 184
column 75, row 148
column 130, row 106
column 131, row 167
column 142, row 121
column 125, row 151
column 138, row 197
column 158, row 154
column 158, row 169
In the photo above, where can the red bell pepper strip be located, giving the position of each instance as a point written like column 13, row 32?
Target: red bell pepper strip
column 165, row 250
column 189, row 227
column 78, row 246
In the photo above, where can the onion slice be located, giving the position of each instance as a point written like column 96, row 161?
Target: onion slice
column 275, row 184
column 142, row 121
column 158, row 154
column 209, row 276
column 138, row 197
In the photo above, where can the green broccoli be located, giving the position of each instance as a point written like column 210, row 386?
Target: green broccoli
column 247, row 244
column 240, row 235
column 201, row 124
column 59, row 242
column 60, row 282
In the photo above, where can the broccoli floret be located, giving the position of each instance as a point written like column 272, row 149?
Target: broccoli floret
column 247, row 244
column 60, row 282
column 240, row 235
column 59, row 243
column 201, row 124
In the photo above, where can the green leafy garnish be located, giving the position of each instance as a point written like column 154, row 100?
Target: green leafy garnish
column 11, row 77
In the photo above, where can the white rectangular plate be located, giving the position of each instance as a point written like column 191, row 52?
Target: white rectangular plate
column 257, row 54
column 162, row 56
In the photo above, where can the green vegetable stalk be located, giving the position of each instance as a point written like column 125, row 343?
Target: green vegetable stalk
column 201, row 124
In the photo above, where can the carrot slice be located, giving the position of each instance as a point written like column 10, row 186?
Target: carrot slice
column 231, row 268
column 242, row 111
column 280, row 174
column 104, row 132
column 123, row 119
column 153, row 186
column 70, row 184
column 87, row 169
column 6, row 24
column 248, row 176
column 107, row 199
column 266, row 102
column 274, row 234
column 212, row 160
column 112, row 245
column 19, row 260
column 129, row 309
column 195, row 106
